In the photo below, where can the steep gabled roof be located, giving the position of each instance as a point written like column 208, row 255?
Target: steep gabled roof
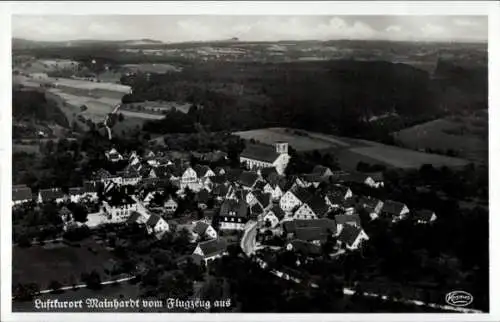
column 346, row 219
column 90, row 186
column 369, row 203
column 278, row 212
column 50, row 194
column 349, row 234
column 393, row 207
column 248, row 178
column 213, row 247
column 305, row 248
column 256, row 209
column 260, row 185
column 266, row 172
column 200, row 227
column 202, row 196
column 75, row 191
column 320, row 170
column 264, row 199
column 233, row 175
column 325, row 223
column 21, row 193
column 302, row 194
column 134, row 217
column 239, row 207
column 318, row 205
column 153, row 220
column 201, row 170
column 260, row 152
column 311, row 233
column 423, row 214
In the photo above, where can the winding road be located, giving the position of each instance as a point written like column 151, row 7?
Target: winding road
column 248, row 245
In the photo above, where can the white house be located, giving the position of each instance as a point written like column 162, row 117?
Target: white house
column 273, row 216
column 54, row 194
column 233, row 214
column 21, row 194
column 210, row 249
column 425, row 216
column 119, row 209
column 203, row 229
column 394, row 210
column 352, row 237
column 113, row 155
column 156, row 224
column 293, row 199
column 259, row 156
column 170, row 205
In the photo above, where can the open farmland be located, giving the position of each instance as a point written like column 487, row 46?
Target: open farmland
column 58, row 262
column 350, row 151
column 142, row 115
column 467, row 135
column 151, row 68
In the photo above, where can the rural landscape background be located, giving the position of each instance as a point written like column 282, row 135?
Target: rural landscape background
column 415, row 111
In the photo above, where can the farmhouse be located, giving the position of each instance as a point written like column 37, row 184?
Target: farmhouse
column 113, row 155
column 155, row 224
column 170, row 205
column 119, row 207
column 76, row 193
column 210, row 250
column 203, row 172
column 21, row 194
column 203, row 229
column 294, row 198
column 336, row 195
column 273, row 216
column 343, row 220
column 258, row 156
column 424, row 216
column 352, row 237
column 372, row 205
column 394, row 210
column 53, row 194
column 312, row 209
column 233, row 214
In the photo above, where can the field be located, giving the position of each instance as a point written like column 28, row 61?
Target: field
column 467, row 135
column 59, row 262
column 151, row 68
column 142, row 115
column 351, row 151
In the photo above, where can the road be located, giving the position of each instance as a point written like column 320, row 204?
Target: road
column 248, row 242
column 248, row 245
column 117, row 107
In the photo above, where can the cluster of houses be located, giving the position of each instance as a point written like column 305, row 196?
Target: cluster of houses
column 295, row 205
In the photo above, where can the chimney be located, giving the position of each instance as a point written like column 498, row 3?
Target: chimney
column 281, row 147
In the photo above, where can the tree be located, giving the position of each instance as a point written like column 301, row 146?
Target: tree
column 93, row 280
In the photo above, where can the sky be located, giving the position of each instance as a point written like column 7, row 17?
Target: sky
column 250, row 28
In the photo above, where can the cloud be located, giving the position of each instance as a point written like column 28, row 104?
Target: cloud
column 465, row 22
column 393, row 28
column 432, row 30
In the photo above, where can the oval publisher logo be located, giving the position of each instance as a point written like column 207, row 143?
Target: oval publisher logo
column 459, row 298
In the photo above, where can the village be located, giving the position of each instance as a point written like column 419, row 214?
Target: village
column 257, row 205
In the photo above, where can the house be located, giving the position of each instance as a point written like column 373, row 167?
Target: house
column 303, row 247
column 137, row 218
column 76, row 193
column 268, row 174
column 119, row 207
column 263, row 199
column 202, row 198
column 113, row 155
column 91, row 188
column 312, row 179
column 315, row 235
column 314, row 208
column 322, row 171
column 170, row 205
column 372, row 205
column 203, row 229
column 220, row 192
column 366, row 179
column 256, row 211
column 394, row 210
column 348, row 206
column 131, row 178
column 293, row 199
column 203, row 172
column 258, row 156
column 336, row 194
column 323, row 228
column 21, row 194
column 53, row 194
column 155, row 224
column 274, row 215
column 424, row 216
column 186, row 176
column 352, row 237
column 248, row 179
column 134, row 159
column 233, row 214
column 210, row 250
column 343, row 220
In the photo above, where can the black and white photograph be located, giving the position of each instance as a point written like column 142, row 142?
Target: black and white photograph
column 280, row 162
